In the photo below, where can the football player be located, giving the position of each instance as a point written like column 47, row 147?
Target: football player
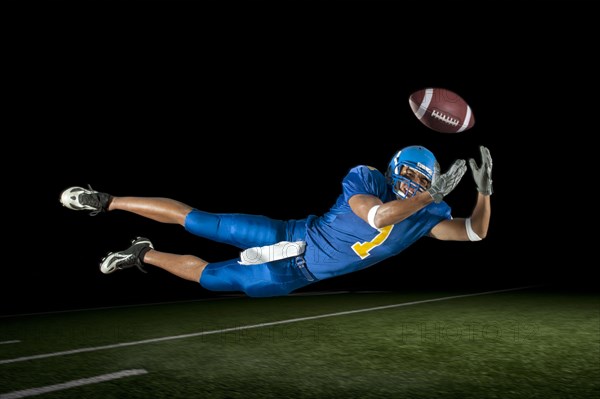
column 375, row 217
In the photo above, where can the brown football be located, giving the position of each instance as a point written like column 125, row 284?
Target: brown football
column 442, row 110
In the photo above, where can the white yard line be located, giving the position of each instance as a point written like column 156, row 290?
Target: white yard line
column 14, row 341
column 71, row 384
column 248, row 327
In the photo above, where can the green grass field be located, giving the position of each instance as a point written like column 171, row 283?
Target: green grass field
column 530, row 343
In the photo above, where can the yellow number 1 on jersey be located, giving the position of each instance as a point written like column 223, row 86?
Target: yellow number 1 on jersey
column 363, row 249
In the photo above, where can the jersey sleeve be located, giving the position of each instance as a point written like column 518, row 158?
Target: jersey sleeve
column 364, row 180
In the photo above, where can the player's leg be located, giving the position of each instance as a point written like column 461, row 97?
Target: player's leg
column 141, row 251
column 263, row 280
column 241, row 230
column 188, row 267
column 164, row 210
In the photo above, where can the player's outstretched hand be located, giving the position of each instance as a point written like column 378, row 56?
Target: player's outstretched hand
column 446, row 182
column 483, row 174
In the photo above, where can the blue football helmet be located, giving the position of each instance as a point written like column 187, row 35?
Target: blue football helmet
column 411, row 170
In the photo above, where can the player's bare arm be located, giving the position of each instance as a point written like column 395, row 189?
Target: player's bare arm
column 391, row 212
column 456, row 229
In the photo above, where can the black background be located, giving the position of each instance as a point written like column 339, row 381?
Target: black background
column 262, row 108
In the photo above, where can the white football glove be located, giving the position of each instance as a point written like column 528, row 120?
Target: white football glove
column 446, row 182
column 483, row 174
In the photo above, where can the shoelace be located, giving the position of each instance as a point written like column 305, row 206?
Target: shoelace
column 94, row 213
column 138, row 265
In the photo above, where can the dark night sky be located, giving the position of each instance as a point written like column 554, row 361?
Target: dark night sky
column 266, row 117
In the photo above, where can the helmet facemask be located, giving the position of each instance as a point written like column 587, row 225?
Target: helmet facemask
column 412, row 170
column 409, row 182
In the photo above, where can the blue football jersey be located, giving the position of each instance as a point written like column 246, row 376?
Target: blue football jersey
column 340, row 242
